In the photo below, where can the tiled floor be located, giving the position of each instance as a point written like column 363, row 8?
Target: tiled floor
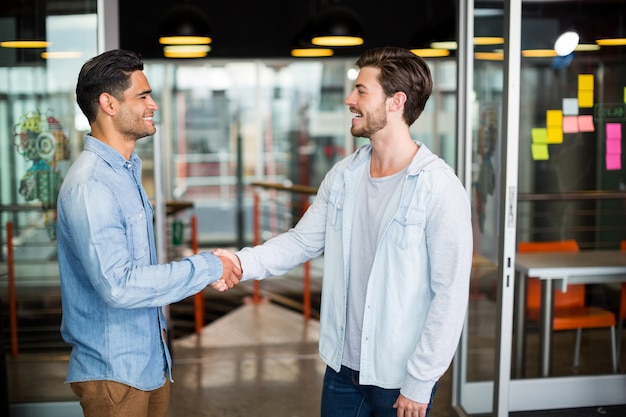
column 261, row 360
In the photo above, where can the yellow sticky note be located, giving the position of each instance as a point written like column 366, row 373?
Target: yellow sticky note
column 624, row 94
column 539, row 134
column 585, row 98
column 555, row 134
column 585, row 81
column 540, row 152
column 554, row 118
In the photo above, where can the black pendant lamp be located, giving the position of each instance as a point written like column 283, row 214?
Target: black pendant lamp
column 303, row 48
column 337, row 25
column 186, row 32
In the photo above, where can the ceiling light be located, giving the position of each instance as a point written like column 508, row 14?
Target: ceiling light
column 25, row 44
column 488, row 40
column 587, row 47
column 566, row 43
column 311, row 52
column 431, row 52
column 337, row 26
column 303, row 48
column 185, row 25
column 186, row 51
column 185, row 40
column 489, row 56
column 611, row 42
column 61, row 55
column 539, row 53
column 450, row 45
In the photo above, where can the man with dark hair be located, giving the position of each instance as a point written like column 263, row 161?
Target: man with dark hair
column 393, row 222
column 112, row 288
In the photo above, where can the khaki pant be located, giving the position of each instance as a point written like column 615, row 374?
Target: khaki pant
column 112, row 399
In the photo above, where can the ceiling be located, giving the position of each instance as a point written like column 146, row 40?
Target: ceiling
column 266, row 29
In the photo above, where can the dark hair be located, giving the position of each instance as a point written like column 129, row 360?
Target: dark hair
column 108, row 72
column 401, row 70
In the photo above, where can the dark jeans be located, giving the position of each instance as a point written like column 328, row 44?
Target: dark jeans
column 343, row 396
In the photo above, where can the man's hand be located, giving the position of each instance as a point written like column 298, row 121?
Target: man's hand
column 232, row 270
column 408, row 408
column 228, row 254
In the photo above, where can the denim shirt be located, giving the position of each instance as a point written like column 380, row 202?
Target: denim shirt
column 112, row 289
column 418, row 289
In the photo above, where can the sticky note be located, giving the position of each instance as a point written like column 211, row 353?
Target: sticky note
column 585, row 98
column 614, row 130
column 570, row 124
column 539, row 135
column 613, row 161
column 570, row 106
column 585, row 81
column 624, row 94
column 585, row 123
column 554, row 118
column 614, row 145
column 540, row 152
column 555, row 134
column 585, row 90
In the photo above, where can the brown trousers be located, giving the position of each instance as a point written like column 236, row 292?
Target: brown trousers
column 113, row 399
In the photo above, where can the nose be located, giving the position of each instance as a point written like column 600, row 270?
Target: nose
column 152, row 104
column 349, row 99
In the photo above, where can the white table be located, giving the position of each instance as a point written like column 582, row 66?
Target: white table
column 584, row 267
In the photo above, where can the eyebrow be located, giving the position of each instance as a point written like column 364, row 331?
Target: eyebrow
column 144, row 92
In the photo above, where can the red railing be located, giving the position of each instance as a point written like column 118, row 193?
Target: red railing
column 292, row 208
column 12, row 292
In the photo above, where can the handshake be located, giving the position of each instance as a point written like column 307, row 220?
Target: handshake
column 232, row 270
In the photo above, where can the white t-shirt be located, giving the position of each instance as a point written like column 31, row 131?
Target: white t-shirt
column 372, row 198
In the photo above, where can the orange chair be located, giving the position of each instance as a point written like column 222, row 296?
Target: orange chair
column 570, row 311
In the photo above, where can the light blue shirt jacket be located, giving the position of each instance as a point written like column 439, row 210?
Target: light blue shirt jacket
column 112, row 290
column 418, row 289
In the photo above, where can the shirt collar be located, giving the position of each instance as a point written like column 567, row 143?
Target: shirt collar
column 108, row 154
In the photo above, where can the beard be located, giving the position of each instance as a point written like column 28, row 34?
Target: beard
column 373, row 122
column 132, row 125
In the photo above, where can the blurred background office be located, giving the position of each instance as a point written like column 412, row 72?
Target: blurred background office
column 252, row 101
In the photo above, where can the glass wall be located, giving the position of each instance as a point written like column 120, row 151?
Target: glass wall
column 285, row 121
column 570, row 185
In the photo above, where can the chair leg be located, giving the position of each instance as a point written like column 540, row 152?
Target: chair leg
column 577, row 346
column 618, row 345
column 613, row 350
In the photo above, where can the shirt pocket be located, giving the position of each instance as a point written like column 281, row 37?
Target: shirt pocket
column 139, row 241
column 407, row 228
column 335, row 208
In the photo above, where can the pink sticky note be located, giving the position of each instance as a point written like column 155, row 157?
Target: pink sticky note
column 613, row 145
column 614, row 130
column 570, row 124
column 613, row 161
column 585, row 123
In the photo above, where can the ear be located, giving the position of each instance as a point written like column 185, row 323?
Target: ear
column 397, row 101
column 108, row 103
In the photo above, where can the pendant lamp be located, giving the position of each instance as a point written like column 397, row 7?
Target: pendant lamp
column 186, row 32
column 337, row 25
column 303, row 48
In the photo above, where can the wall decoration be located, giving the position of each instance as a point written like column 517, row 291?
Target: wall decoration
column 39, row 138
